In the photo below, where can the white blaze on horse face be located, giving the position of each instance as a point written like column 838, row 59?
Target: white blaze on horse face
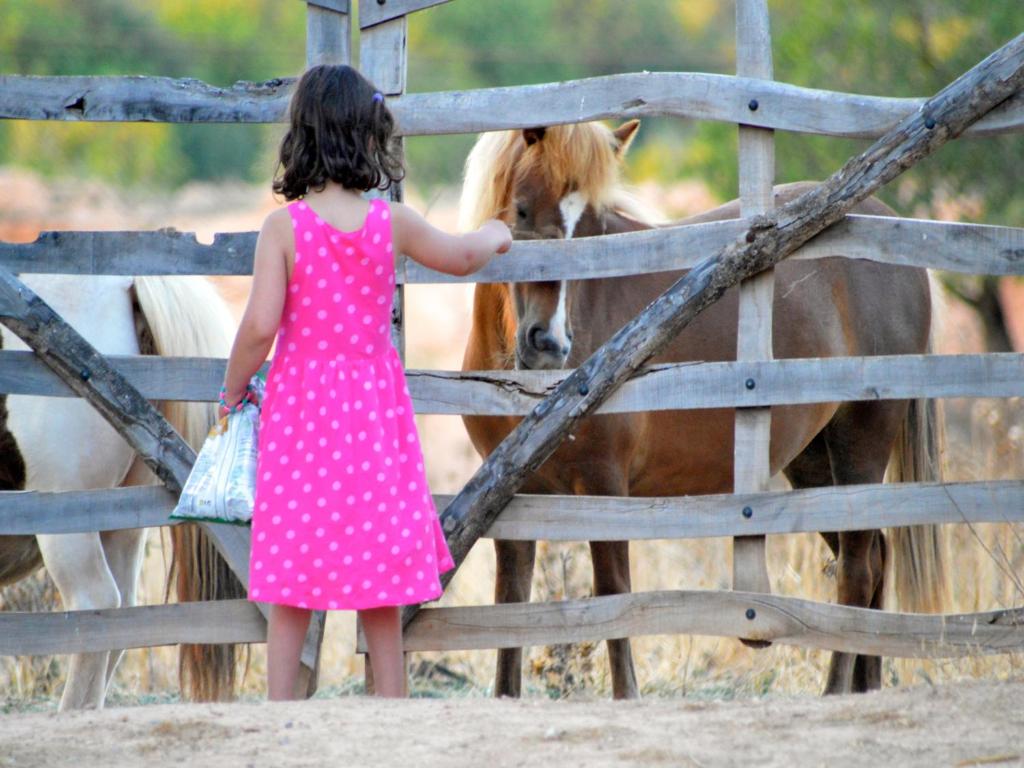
column 571, row 207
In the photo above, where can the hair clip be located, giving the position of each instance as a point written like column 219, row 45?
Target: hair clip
column 378, row 96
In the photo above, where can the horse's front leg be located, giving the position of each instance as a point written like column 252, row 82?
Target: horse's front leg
column 513, row 580
column 123, row 551
column 79, row 569
column 610, row 561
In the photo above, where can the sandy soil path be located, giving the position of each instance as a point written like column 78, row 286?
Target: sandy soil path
column 973, row 724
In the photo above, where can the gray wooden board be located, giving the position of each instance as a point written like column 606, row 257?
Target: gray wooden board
column 221, row 621
column 34, row 512
column 671, row 386
column 681, row 94
column 846, row 508
column 338, row 6
column 787, row 620
column 327, row 35
column 598, row 518
column 382, row 55
column 956, row 247
column 373, row 12
column 751, row 471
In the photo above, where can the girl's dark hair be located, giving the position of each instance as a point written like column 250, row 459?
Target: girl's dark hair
column 340, row 131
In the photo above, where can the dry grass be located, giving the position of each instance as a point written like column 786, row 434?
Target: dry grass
column 986, row 442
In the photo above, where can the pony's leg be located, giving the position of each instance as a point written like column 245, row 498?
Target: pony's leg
column 860, row 440
column 79, row 569
column 847, row 672
column 512, row 584
column 859, row 577
column 610, row 561
column 123, row 551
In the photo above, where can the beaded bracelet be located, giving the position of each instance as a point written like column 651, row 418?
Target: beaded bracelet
column 246, row 398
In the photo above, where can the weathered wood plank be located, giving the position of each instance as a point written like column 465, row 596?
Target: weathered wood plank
column 33, row 512
column 594, row 518
column 374, row 12
column 769, row 239
column 689, row 95
column 956, row 247
column 221, row 621
column 142, row 99
column 327, row 35
column 752, row 431
column 338, row 6
column 660, row 387
column 724, row 614
column 846, row 508
column 382, row 55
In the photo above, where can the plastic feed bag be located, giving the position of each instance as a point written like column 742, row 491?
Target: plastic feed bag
column 222, row 485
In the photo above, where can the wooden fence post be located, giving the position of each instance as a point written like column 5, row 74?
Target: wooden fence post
column 328, row 37
column 768, row 239
column 751, row 472
column 383, row 60
column 328, row 33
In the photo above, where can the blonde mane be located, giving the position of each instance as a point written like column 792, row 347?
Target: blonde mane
column 580, row 157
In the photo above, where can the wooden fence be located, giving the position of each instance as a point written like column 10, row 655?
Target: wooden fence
column 748, row 515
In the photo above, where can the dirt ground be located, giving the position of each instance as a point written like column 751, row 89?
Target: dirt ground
column 963, row 725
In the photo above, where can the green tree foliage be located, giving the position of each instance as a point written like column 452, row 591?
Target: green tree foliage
column 218, row 41
column 910, row 48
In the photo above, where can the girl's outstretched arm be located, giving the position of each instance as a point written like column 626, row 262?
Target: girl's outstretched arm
column 266, row 303
column 443, row 252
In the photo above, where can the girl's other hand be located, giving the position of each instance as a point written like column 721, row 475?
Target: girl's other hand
column 230, row 402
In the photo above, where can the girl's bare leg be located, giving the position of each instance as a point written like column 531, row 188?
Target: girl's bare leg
column 286, row 633
column 383, row 630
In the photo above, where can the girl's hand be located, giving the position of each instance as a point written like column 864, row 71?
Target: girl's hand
column 502, row 234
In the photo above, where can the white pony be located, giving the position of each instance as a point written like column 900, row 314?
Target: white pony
column 62, row 444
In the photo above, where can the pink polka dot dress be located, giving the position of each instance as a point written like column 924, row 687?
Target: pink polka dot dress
column 343, row 515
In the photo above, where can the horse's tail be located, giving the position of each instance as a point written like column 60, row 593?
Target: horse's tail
column 182, row 317
column 920, row 582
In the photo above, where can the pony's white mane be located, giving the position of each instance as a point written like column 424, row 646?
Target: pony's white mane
column 584, row 157
column 187, row 318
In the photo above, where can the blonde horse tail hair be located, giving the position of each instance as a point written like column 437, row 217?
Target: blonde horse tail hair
column 185, row 317
column 920, row 583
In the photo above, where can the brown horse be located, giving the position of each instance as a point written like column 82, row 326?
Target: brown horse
column 562, row 182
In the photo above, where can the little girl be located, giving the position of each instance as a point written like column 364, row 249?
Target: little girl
column 343, row 516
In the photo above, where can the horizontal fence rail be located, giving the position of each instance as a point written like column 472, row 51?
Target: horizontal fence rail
column 221, row 621
column 671, row 386
column 955, row 247
column 595, row 518
column 724, row 614
column 692, row 95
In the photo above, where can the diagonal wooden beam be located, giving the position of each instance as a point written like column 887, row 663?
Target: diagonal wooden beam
column 768, row 239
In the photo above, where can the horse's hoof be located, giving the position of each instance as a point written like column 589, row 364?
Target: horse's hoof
column 757, row 644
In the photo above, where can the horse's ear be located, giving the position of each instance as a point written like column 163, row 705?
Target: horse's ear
column 624, row 135
column 533, row 135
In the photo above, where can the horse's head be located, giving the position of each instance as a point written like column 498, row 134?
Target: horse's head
column 545, row 183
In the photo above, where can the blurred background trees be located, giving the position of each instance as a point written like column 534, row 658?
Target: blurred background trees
column 911, row 48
